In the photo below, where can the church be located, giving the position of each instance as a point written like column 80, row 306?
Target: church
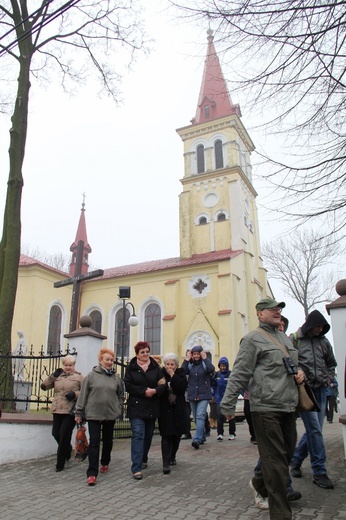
column 206, row 295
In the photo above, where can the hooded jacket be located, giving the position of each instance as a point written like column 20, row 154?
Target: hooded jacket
column 101, row 397
column 315, row 354
column 199, row 383
column 220, row 380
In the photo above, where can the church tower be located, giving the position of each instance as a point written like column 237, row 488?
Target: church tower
column 81, row 235
column 217, row 204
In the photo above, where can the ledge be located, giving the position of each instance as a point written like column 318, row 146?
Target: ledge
column 26, row 418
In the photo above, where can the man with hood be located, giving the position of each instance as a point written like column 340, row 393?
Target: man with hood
column 219, row 386
column 316, row 359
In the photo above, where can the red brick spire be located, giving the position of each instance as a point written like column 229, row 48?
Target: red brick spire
column 214, row 101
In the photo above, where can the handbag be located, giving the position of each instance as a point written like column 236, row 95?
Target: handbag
column 172, row 398
column 306, row 399
column 81, row 443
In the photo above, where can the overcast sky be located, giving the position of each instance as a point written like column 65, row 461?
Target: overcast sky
column 127, row 159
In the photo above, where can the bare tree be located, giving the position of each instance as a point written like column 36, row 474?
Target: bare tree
column 57, row 260
column 299, row 263
column 72, row 38
column 288, row 57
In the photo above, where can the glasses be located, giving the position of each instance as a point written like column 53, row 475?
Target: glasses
column 274, row 309
column 144, row 352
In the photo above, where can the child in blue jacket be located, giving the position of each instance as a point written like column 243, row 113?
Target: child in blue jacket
column 219, row 386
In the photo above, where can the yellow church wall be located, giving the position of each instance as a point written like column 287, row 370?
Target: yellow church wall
column 35, row 295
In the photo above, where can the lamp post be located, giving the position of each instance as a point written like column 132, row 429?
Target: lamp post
column 125, row 294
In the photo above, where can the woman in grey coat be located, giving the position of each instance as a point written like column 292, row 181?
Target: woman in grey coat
column 100, row 402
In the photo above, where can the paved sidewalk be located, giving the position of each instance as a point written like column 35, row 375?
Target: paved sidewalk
column 209, row 483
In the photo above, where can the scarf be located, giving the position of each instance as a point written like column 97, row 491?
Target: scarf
column 144, row 366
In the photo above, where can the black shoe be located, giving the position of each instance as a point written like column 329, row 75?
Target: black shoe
column 186, row 436
column 293, row 495
column 323, row 481
column 166, row 470
column 296, row 472
column 58, row 469
column 195, row 444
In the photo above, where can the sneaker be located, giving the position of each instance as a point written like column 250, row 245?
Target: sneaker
column 138, row 475
column 323, row 481
column 104, row 469
column 296, row 471
column 186, row 436
column 219, row 438
column 195, row 444
column 293, row 495
column 261, row 502
column 91, row 481
column 231, row 437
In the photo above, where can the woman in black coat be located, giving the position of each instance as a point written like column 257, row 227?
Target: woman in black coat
column 172, row 421
column 144, row 383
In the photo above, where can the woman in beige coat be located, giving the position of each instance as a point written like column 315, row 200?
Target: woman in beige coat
column 67, row 384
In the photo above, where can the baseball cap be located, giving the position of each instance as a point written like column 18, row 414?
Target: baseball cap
column 269, row 303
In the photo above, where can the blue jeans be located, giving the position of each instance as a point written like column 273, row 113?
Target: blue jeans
column 199, row 409
column 312, row 441
column 142, row 435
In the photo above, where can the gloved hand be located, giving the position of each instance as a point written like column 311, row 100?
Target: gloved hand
column 58, row 372
column 70, row 396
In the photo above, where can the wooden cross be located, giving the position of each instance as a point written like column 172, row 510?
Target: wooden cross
column 76, row 281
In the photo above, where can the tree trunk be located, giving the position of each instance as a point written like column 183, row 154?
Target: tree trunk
column 11, row 235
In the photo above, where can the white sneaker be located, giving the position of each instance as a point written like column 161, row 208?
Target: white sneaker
column 261, row 502
column 220, row 437
column 231, row 437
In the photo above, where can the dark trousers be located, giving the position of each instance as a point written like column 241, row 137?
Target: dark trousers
column 221, row 419
column 330, row 407
column 276, row 436
column 95, row 428
column 169, row 448
column 248, row 418
column 63, row 425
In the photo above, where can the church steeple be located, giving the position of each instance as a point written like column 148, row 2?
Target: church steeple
column 214, row 100
column 81, row 235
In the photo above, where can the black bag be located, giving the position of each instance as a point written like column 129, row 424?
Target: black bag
column 172, row 398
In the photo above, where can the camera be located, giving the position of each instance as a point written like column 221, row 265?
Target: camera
column 290, row 366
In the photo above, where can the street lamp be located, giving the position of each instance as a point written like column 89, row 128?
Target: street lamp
column 125, row 294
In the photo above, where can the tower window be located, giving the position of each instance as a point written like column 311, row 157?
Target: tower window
column 218, row 154
column 202, row 221
column 206, row 111
column 221, row 217
column 200, row 159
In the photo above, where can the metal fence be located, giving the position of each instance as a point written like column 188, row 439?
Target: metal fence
column 25, row 373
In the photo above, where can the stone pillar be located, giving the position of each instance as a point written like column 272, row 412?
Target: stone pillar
column 337, row 312
column 87, row 343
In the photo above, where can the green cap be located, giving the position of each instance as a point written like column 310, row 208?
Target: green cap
column 269, row 303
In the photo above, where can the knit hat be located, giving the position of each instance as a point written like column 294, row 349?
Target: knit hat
column 197, row 348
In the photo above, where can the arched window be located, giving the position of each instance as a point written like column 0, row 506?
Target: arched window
column 206, row 112
column 152, row 328
column 121, row 334
column 200, row 159
column 218, row 154
column 96, row 321
column 54, row 330
column 221, row 217
column 202, row 221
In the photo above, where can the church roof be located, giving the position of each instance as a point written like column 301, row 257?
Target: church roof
column 214, row 100
column 168, row 263
column 26, row 261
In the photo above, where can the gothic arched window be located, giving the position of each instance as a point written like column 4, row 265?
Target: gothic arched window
column 54, row 330
column 152, row 328
column 122, row 334
column 96, row 321
column 218, row 154
column 200, row 159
